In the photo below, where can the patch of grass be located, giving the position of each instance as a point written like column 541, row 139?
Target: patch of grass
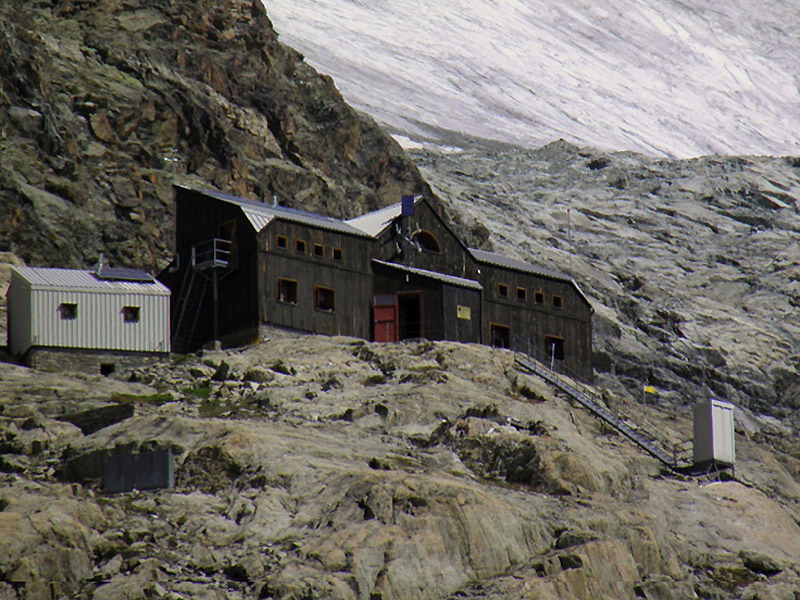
column 154, row 399
column 198, row 391
column 212, row 407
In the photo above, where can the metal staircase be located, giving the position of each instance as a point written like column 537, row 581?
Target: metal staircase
column 589, row 399
column 189, row 305
column 212, row 256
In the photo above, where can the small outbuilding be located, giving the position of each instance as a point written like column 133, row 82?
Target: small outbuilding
column 106, row 311
column 714, row 438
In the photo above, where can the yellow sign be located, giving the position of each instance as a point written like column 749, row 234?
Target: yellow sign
column 649, row 389
column 464, row 312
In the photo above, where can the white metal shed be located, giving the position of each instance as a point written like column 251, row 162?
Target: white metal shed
column 116, row 310
column 714, row 438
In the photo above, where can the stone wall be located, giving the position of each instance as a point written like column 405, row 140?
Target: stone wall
column 89, row 361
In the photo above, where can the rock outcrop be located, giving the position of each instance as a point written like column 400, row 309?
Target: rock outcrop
column 443, row 480
column 692, row 266
column 104, row 104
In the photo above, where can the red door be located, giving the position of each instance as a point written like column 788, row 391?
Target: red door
column 385, row 310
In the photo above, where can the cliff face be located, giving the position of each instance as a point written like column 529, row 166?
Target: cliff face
column 102, row 104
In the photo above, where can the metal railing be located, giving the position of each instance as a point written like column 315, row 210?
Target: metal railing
column 585, row 394
column 211, row 254
column 553, row 364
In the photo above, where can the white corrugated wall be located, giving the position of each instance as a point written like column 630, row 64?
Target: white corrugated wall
column 99, row 323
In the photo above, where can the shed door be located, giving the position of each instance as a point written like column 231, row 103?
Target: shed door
column 385, row 309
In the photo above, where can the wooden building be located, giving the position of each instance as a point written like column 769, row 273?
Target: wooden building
column 535, row 310
column 396, row 273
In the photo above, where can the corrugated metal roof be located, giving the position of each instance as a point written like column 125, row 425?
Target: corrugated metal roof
column 451, row 279
column 74, row 279
column 498, row 260
column 260, row 214
column 257, row 218
column 375, row 222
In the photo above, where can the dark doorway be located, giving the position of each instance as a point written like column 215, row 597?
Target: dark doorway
column 501, row 335
column 554, row 347
column 409, row 312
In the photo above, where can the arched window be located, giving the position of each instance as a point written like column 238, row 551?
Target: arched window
column 427, row 241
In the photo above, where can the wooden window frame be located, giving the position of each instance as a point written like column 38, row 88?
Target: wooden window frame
column 523, row 297
column 131, row 314
column 282, row 280
column 334, row 252
column 318, row 250
column 300, row 246
column 558, row 302
column 281, row 242
column 538, row 297
column 317, row 289
column 500, row 290
column 68, row 311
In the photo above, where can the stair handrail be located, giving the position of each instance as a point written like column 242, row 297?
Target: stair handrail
column 556, row 366
column 588, row 396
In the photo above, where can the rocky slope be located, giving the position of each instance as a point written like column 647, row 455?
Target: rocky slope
column 693, row 266
column 102, row 104
column 311, row 467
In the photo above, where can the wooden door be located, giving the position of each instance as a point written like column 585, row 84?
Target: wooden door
column 385, row 321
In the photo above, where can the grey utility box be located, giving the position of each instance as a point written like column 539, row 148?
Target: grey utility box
column 713, row 433
column 144, row 471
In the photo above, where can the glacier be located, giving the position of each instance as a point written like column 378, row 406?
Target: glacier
column 662, row 77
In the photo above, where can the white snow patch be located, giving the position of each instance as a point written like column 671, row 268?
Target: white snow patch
column 658, row 76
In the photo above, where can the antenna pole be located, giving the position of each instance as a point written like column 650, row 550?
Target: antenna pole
column 569, row 238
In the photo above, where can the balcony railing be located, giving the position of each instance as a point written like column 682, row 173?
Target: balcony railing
column 212, row 254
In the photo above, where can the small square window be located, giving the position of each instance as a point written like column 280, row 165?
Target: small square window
column 130, row 314
column 558, row 302
column 324, row 299
column 300, row 246
column 319, row 251
column 287, row 291
column 522, row 294
column 538, row 297
column 502, row 290
column 282, row 242
column 69, row 311
column 336, row 254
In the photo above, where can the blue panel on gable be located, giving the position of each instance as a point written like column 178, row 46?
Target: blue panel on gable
column 407, row 206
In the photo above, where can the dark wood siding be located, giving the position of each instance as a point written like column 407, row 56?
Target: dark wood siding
column 198, row 219
column 440, row 302
column 348, row 276
column 530, row 323
column 462, row 314
column 331, row 280
column 453, row 257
